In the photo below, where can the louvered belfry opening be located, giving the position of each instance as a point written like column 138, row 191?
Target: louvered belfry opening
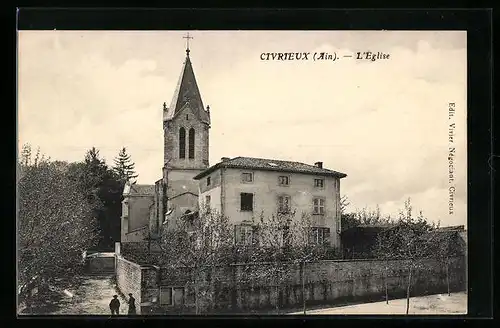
column 182, row 143
column 191, row 143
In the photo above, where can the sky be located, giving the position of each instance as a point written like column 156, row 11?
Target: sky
column 384, row 123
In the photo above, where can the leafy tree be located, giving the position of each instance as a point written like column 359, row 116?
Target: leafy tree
column 103, row 191
column 124, row 167
column 55, row 224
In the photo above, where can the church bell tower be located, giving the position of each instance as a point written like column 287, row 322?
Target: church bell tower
column 186, row 124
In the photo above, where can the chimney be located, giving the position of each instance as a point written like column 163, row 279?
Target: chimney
column 319, row 164
column 224, row 159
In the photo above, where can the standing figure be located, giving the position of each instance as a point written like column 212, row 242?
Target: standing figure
column 114, row 305
column 131, row 305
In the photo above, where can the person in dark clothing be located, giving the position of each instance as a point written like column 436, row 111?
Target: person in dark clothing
column 114, row 305
column 131, row 305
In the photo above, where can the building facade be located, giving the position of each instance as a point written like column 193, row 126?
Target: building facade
column 245, row 188
column 240, row 188
column 138, row 202
column 186, row 125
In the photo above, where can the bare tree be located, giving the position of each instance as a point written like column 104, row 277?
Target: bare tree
column 55, row 225
column 445, row 247
column 408, row 241
column 275, row 239
column 199, row 243
column 384, row 252
column 305, row 248
column 344, row 203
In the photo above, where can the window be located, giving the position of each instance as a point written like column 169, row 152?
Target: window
column 283, row 180
column 165, row 295
column 182, row 143
column 191, row 143
column 207, row 200
column 283, row 204
column 208, row 181
column 247, row 177
column 244, row 234
column 318, row 206
column 178, row 295
column 246, row 201
column 187, row 117
column 320, row 235
column 319, row 183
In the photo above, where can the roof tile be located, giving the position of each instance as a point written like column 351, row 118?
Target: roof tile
column 270, row 165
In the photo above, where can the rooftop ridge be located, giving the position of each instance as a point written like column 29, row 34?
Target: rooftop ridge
column 260, row 164
column 275, row 160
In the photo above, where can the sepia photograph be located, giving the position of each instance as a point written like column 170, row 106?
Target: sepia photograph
column 202, row 172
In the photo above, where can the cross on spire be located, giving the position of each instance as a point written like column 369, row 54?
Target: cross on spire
column 187, row 37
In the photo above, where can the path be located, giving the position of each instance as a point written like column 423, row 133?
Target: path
column 91, row 297
column 454, row 304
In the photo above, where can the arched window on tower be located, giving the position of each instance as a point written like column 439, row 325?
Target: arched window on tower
column 182, row 143
column 191, row 143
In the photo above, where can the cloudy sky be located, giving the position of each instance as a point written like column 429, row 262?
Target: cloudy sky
column 383, row 123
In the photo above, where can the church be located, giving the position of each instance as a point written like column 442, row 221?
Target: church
column 239, row 188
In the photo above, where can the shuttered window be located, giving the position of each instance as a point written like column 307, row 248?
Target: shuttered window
column 246, row 201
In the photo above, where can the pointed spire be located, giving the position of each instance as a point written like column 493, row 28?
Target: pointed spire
column 187, row 93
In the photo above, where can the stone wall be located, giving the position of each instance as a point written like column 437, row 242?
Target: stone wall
column 326, row 282
column 128, row 279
